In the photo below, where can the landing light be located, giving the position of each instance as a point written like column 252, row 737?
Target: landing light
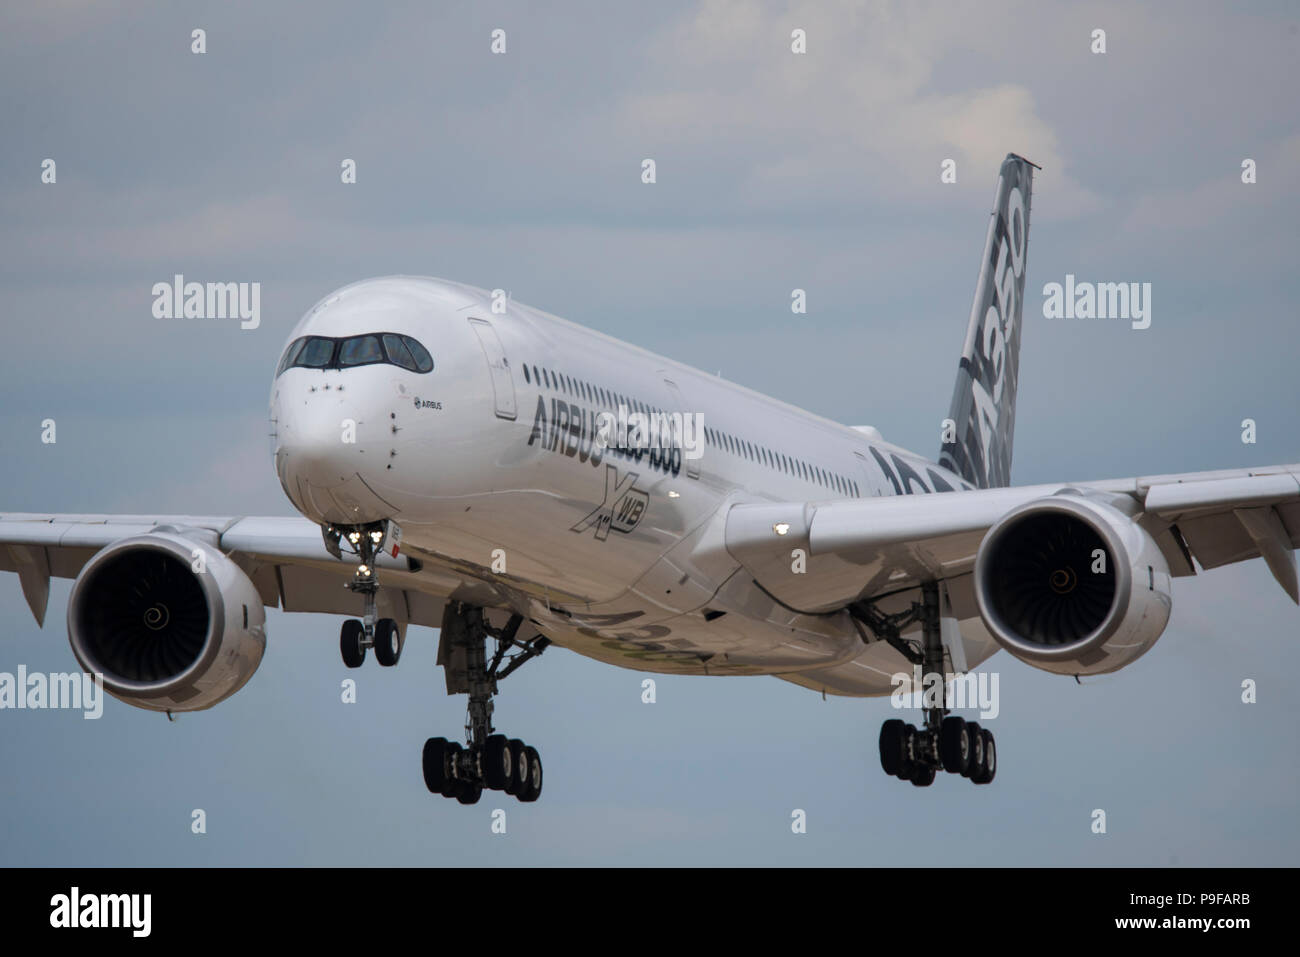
column 354, row 537
column 363, row 570
column 376, row 537
column 672, row 494
column 781, row 527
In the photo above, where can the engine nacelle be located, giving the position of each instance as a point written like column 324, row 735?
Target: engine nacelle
column 1071, row 584
column 170, row 622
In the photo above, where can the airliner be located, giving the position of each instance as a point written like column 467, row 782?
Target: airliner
column 461, row 461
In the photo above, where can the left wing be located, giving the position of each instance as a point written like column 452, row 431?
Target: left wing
column 864, row 548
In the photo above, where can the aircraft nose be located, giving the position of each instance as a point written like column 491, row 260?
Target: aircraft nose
column 321, row 452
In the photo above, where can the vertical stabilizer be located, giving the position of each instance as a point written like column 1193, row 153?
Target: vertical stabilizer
column 984, row 399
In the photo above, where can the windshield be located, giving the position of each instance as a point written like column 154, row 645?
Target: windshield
column 322, row 352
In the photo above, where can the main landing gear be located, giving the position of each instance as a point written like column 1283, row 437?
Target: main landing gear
column 488, row 760
column 945, row 742
column 370, row 631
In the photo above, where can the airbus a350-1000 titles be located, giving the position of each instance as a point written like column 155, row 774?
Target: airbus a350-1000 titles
column 518, row 481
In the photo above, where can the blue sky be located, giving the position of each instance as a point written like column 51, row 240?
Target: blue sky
column 775, row 171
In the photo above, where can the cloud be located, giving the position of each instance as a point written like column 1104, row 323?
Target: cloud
column 857, row 117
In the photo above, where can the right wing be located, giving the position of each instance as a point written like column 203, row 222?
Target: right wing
column 284, row 558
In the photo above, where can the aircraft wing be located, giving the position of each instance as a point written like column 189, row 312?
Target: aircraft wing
column 284, row 558
column 866, row 548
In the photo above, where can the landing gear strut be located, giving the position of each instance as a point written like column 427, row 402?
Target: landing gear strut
column 371, row 631
column 944, row 742
column 487, row 760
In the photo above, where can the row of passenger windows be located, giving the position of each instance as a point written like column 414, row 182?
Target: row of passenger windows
column 782, row 462
column 321, row 352
column 559, row 382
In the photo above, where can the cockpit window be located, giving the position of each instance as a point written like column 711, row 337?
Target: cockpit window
column 423, row 361
column 291, row 354
column 316, row 353
column 398, row 353
column 320, row 352
column 360, row 350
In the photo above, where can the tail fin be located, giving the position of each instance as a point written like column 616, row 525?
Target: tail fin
column 984, row 399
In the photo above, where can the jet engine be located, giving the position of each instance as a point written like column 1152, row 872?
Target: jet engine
column 169, row 621
column 1072, row 584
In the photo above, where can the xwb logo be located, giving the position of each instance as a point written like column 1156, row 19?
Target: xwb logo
column 622, row 508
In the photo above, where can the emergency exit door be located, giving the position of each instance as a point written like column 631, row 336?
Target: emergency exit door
column 503, row 383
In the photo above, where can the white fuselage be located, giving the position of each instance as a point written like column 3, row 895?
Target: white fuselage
column 490, row 465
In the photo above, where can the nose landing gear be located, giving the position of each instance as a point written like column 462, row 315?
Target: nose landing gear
column 370, row 631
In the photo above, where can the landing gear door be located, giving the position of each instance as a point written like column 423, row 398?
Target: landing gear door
column 692, row 461
column 503, row 385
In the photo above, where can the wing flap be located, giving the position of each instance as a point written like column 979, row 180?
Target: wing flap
column 1226, row 517
column 1179, row 497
